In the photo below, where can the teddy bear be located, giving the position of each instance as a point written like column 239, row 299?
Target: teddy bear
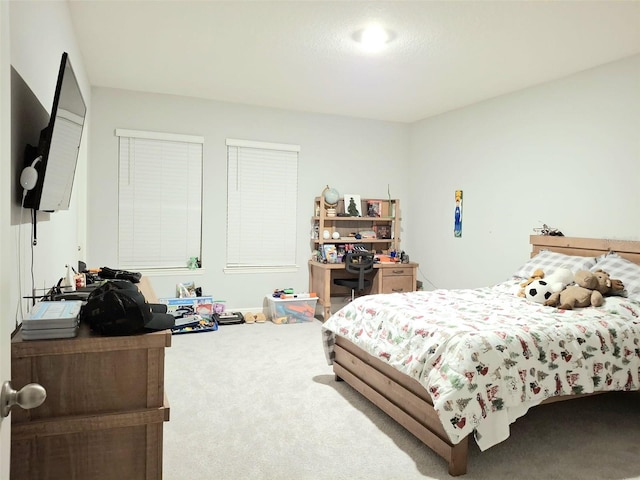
column 537, row 274
column 540, row 291
column 589, row 290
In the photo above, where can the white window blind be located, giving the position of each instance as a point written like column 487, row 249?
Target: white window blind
column 159, row 199
column 262, row 198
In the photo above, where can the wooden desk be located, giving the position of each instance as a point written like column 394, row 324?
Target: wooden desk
column 387, row 278
column 105, row 407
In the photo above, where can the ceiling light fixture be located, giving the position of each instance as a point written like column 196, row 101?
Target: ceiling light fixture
column 373, row 38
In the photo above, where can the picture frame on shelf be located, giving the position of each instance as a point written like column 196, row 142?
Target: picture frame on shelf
column 374, row 208
column 330, row 253
column 382, row 231
column 352, row 205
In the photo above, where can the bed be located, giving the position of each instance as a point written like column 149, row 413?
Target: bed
column 447, row 364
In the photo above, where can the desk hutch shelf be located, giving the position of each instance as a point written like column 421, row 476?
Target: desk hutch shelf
column 379, row 233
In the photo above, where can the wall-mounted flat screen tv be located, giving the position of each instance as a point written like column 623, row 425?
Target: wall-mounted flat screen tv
column 56, row 155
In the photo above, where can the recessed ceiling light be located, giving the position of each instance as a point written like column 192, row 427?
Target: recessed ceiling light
column 373, row 38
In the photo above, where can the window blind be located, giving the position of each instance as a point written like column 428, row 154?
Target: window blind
column 159, row 199
column 262, row 196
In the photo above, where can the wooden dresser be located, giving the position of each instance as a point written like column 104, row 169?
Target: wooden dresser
column 104, row 412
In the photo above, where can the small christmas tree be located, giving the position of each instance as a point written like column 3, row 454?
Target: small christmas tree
column 352, row 210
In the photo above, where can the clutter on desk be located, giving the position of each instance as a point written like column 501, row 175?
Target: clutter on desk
column 109, row 301
column 110, row 273
column 118, row 307
column 78, row 283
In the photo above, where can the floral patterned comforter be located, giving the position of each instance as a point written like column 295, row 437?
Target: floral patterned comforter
column 486, row 355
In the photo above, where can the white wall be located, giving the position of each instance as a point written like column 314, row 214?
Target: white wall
column 33, row 36
column 352, row 155
column 566, row 153
column 6, row 324
column 40, row 33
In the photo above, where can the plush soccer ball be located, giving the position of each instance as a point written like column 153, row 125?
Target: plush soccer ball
column 539, row 291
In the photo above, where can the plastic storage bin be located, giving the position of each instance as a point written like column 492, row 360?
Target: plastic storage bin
column 290, row 310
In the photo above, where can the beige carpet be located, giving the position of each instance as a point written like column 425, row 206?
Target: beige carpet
column 259, row 402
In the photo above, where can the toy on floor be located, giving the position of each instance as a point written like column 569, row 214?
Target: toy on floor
column 259, row 317
column 301, row 312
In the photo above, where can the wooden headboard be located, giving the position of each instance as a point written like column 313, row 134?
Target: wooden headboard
column 586, row 247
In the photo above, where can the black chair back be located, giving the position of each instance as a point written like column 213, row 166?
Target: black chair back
column 359, row 263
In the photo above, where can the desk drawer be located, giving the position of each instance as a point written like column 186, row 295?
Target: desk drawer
column 397, row 279
column 398, row 283
column 397, row 271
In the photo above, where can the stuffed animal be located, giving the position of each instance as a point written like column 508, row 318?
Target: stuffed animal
column 560, row 278
column 540, row 291
column 589, row 290
column 537, row 274
column 608, row 285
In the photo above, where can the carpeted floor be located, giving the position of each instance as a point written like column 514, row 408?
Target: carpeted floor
column 259, row 402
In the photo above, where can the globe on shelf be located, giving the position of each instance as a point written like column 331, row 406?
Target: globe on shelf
column 331, row 197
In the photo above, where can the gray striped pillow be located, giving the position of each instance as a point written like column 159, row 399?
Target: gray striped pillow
column 550, row 261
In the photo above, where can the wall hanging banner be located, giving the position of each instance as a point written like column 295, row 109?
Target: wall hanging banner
column 457, row 225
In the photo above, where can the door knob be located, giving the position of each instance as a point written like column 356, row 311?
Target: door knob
column 30, row 396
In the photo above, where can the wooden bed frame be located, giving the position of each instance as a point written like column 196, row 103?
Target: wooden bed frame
column 405, row 400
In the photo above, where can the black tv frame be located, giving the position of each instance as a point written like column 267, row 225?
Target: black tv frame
column 38, row 157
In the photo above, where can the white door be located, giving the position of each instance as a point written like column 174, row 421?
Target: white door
column 6, row 319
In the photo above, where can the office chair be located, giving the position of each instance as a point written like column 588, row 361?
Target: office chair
column 359, row 263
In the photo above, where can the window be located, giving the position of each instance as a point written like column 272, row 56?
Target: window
column 159, row 199
column 262, row 199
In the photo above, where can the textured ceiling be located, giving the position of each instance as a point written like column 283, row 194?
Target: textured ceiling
column 301, row 56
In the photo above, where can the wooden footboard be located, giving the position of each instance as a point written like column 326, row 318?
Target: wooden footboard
column 400, row 397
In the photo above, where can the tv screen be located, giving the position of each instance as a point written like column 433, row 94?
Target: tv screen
column 56, row 155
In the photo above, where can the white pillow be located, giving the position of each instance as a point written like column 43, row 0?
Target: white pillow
column 621, row 269
column 549, row 262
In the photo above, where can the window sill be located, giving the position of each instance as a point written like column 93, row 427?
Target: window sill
column 235, row 270
column 164, row 272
